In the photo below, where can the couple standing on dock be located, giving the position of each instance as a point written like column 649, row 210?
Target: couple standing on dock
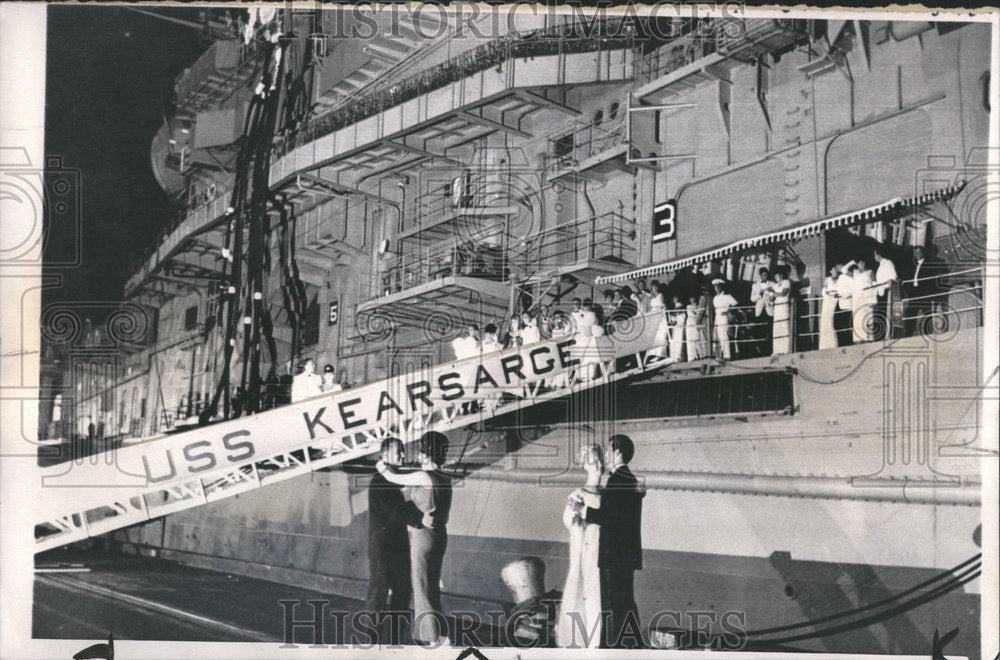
column 605, row 549
column 407, row 539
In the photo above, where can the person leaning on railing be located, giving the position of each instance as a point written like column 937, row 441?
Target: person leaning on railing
column 922, row 290
column 885, row 278
column 828, row 311
column 677, row 319
column 762, row 296
column 722, row 303
column 782, row 341
column 658, row 305
column 695, row 333
column 863, row 298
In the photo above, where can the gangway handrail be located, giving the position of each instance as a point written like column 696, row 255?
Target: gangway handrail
column 166, row 474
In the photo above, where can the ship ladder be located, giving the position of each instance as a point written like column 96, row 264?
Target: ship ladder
column 153, row 477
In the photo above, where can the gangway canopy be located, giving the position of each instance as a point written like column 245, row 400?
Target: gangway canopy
column 888, row 210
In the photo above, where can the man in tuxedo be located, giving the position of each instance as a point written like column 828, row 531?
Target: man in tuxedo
column 620, row 546
column 922, row 291
column 389, row 586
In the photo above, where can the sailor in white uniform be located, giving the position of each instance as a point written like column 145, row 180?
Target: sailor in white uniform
column 722, row 302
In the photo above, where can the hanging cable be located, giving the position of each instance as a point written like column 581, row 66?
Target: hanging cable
column 233, row 250
column 871, row 606
column 949, row 580
column 961, row 579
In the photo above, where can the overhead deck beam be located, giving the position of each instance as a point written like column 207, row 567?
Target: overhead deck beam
column 489, row 123
column 542, row 100
column 339, row 188
column 399, row 146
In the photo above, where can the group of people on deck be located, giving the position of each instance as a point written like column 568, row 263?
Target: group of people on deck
column 408, row 512
column 703, row 314
column 858, row 303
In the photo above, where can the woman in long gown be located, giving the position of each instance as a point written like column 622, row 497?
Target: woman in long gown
column 561, row 328
column 657, row 305
column 585, row 349
column 694, row 329
column 827, row 329
column 514, row 332
column 782, row 342
column 578, row 622
column 643, row 297
column 491, row 340
column 677, row 318
column 864, row 298
column 530, row 332
column 430, row 491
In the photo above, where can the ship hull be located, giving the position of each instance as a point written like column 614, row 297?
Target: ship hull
column 771, row 519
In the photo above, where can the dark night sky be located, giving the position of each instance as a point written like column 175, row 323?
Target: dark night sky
column 110, row 73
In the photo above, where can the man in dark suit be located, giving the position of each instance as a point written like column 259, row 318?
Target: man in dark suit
column 922, row 291
column 389, row 586
column 620, row 549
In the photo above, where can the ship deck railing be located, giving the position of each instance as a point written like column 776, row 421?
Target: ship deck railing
column 483, row 190
column 678, row 53
column 481, row 254
column 960, row 297
column 493, row 253
column 557, row 40
column 204, row 84
column 610, row 236
column 956, row 304
column 583, row 140
column 197, row 215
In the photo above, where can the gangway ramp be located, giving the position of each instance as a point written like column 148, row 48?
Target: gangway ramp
column 165, row 474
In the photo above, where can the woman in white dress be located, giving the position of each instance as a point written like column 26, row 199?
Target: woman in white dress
column 782, row 338
column 643, row 297
column 491, row 342
column 562, row 327
column 585, row 350
column 581, row 602
column 514, row 332
column 694, row 329
column 658, row 305
column 864, row 297
column 530, row 333
column 827, row 329
column 677, row 318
